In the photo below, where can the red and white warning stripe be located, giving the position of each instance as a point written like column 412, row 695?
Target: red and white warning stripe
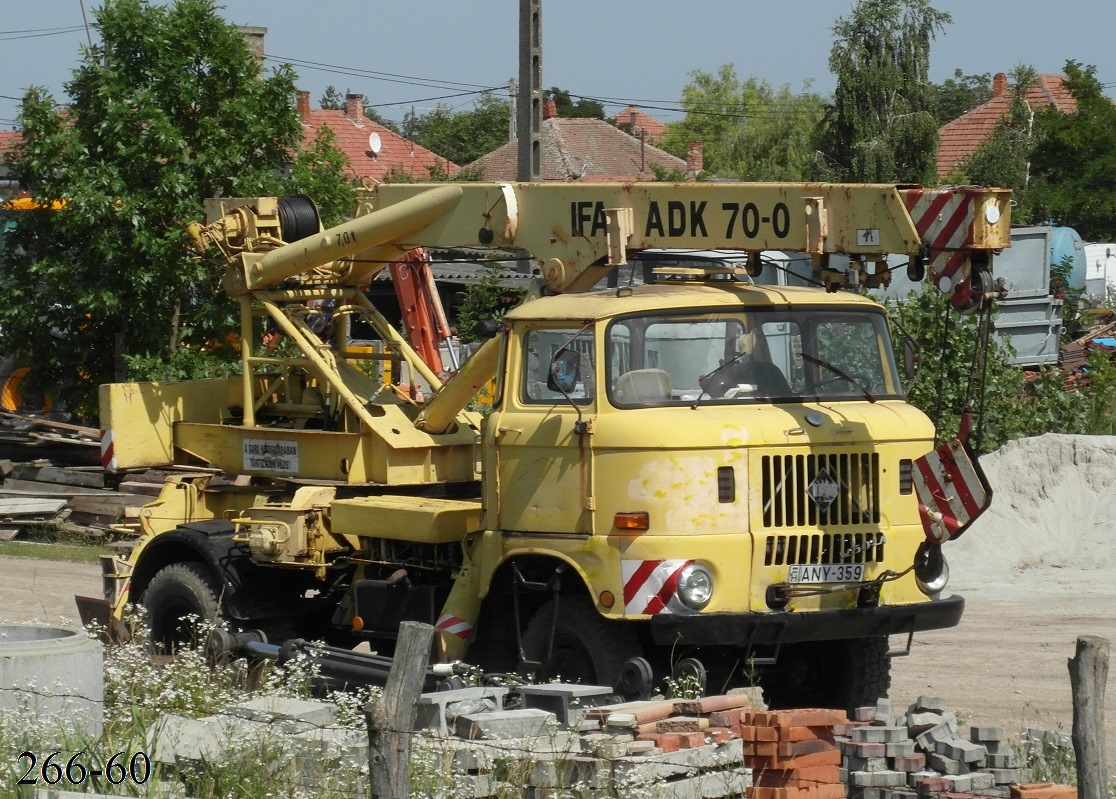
column 944, row 221
column 952, row 491
column 454, row 626
column 108, row 454
column 649, row 586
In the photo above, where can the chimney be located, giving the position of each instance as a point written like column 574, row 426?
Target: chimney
column 550, row 109
column 303, row 105
column 694, row 157
column 999, row 84
column 255, row 37
column 354, row 107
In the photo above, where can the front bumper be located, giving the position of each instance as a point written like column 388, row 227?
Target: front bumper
column 782, row 627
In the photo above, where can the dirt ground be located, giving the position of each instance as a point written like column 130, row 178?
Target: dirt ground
column 1005, row 665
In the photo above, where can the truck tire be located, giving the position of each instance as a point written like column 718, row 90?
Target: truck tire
column 587, row 648
column 175, row 592
column 838, row 674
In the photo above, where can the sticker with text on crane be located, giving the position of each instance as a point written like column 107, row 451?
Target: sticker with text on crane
column 270, row 455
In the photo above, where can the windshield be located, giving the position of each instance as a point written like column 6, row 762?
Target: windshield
column 750, row 357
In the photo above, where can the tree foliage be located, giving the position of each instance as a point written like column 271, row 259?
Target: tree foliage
column 1013, row 406
column 958, row 95
column 881, row 126
column 1004, row 159
column 584, row 108
column 749, row 130
column 170, row 109
column 460, row 136
column 1073, row 167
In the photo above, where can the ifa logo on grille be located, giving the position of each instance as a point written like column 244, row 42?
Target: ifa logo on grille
column 823, row 490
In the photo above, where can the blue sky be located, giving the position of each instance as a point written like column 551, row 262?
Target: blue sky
column 617, row 49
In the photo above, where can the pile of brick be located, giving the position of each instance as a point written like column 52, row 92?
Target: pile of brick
column 921, row 754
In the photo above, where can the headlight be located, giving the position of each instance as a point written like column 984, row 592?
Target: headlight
column 930, row 568
column 695, row 586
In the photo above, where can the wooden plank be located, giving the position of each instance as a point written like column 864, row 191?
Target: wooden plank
column 48, row 489
column 60, row 475
column 107, row 507
column 29, row 506
column 92, row 432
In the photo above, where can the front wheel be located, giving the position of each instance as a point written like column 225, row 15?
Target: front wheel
column 837, row 674
column 585, row 647
column 179, row 596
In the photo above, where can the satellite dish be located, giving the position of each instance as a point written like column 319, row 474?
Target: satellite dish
column 374, row 143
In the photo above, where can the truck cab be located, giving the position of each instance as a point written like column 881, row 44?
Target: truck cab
column 733, row 455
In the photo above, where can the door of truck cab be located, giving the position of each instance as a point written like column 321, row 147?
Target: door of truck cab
column 542, row 462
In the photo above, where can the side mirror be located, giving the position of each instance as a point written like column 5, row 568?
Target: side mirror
column 912, row 359
column 565, row 369
column 486, row 329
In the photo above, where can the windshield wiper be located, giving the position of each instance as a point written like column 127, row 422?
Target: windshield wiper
column 841, row 373
column 703, row 380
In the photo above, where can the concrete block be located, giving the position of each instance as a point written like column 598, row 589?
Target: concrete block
column 960, row 749
column 946, row 765
column 926, row 702
column 981, row 780
column 867, row 713
column 863, row 748
column 929, row 739
column 865, row 763
column 879, row 734
column 1006, row 761
column 504, row 724
column 1005, row 776
column 437, row 710
column 865, row 793
column 172, row 738
column 900, row 748
column 925, row 782
column 999, row 747
column 885, row 715
column 982, row 735
column 567, row 701
column 899, row 793
column 959, row 782
column 290, row 715
column 915, row 762
column 878, row 779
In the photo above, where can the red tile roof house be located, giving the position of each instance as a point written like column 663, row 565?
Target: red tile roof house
column 632, row 120
column 587, row 149
column 962, row 137
column 8, row 140
column 367, row 163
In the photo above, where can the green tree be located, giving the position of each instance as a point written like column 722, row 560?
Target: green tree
column 881, row 126
column 748, row 129
column 958, row 95
column 461, row 137
column 1073, row 167
column 170, row 109
column 584, row 108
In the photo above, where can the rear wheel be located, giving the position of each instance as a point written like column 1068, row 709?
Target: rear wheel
column 585, row 647
column 176, row 593
column 837, row 674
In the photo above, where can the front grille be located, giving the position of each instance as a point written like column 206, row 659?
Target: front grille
column 820, row 490
column 793, row 550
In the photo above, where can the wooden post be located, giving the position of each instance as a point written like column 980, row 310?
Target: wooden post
column 391, row 719
column 1088, row 673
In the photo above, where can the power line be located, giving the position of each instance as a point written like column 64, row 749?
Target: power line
column 389, row 77
column 11, row 36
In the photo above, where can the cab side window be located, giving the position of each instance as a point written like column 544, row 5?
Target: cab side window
column 541, row 346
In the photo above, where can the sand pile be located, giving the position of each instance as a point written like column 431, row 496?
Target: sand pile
column 1052, row 524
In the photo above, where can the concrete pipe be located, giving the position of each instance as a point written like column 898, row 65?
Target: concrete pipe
column 54, row 676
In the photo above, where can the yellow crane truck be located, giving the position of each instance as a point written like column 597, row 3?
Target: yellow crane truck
column 695, row 475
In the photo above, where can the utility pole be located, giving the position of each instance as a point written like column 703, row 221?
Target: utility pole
column 513, row 101
column 529, row 117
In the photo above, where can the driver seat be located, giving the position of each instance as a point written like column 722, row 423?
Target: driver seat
column 642, row 385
